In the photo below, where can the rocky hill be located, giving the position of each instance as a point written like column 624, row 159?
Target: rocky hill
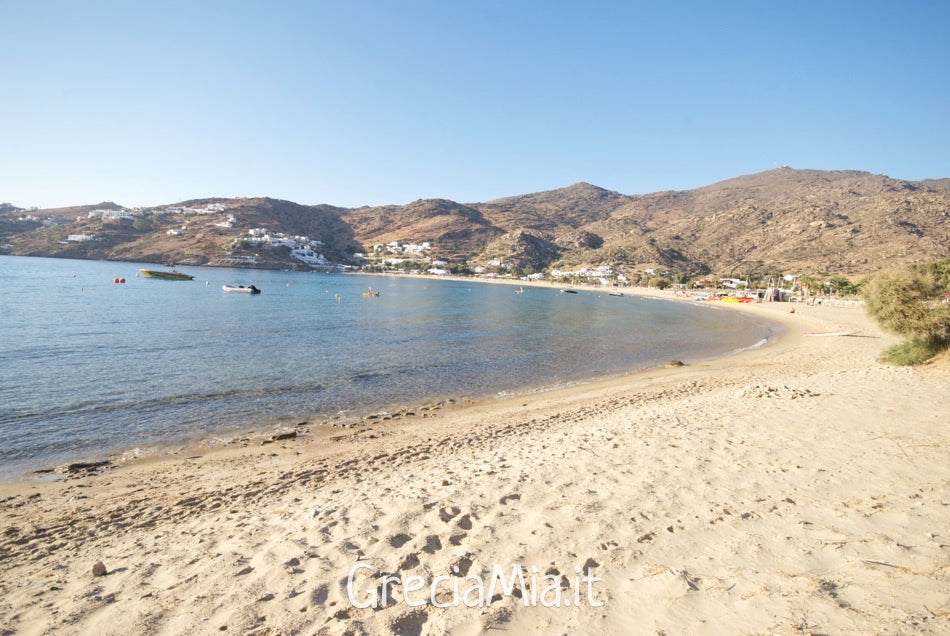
column 792, row 221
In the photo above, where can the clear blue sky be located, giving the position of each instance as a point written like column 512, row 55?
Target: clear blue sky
column 355, row 102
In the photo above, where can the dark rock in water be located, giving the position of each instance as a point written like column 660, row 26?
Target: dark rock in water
column 85, row 466
column 280, row 436
column 99, row 569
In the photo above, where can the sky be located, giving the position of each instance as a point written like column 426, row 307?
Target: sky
column 374, row 102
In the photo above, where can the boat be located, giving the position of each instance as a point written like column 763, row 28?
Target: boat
column 172, row 275
column 616, row 294
column 839, row 332
column 568, row 291
column 370, row 293
column 250, row 289
column 741, row 299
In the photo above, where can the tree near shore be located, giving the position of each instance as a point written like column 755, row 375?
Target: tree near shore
column 913, row 302
column 807, row 284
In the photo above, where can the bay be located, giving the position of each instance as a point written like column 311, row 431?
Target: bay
column 90, row 367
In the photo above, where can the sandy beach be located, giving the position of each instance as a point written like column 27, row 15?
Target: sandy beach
column 800, row 488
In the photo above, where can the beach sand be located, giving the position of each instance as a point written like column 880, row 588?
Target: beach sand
column 800, row 488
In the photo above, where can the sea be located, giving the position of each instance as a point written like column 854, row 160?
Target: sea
column 91, row 368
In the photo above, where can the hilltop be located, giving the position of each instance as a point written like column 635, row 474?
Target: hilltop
column 792, row 221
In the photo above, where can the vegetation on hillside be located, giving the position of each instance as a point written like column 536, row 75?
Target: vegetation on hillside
column 913, row 302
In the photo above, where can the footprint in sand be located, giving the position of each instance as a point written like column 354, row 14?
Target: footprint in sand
column 465, row 522
column 411, row 623
column 447, row 514
column 433, row 544
column 504, row 500
column 399, row 540
column 411, row 561
column 462, row 565
column 320, row 595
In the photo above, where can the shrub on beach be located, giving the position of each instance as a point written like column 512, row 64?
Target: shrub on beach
column 913, row 302
column 909, row 353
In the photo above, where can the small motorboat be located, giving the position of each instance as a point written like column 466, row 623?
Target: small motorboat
column 568, row 291
column 620, row 294
column 369, row 293
column 172, row 275
column 250, row 289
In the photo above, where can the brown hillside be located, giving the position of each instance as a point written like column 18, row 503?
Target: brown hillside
column 792, row 221
column 553, row 210
column 456, row 231
column 797, row 220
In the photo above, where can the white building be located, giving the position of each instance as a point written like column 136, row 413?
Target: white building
column 601, row 271
column 308, row 256
column 732, row 283
column 110, row 214
column 229, row 222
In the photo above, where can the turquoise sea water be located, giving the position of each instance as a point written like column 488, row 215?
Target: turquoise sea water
column 89, row 367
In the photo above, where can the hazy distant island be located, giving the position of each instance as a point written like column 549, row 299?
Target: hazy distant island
column 779, row 222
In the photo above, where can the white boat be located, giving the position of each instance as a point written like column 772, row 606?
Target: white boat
column 250, row 289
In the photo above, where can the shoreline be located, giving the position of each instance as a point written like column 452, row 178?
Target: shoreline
column 792, row 488
column 70, row 466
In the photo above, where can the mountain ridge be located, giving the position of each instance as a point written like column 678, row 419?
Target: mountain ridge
column 843, row 222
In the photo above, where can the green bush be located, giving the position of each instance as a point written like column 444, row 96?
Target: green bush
column 912, row 302
column 909, row 353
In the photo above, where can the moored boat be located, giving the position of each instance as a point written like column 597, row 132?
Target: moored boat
column 172, row 275
column 250, row 289
column 839, row 332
